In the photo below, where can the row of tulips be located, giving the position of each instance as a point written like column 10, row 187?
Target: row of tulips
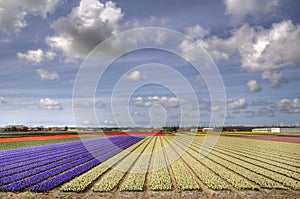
column 113, row 178
column 135, row 180
column 184, row 180
column 263, row 169
column 231, row 177
column 287, row 162
column 37, row 153
column 251, row 169
column 279, row 149
column 55, row 172
column 82, row 182
column 205, row 174
column 229, row 163
column 273, row 165
column 160, row 177
column 36, row 166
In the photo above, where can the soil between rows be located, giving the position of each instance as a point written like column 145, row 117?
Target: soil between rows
column 56, row 194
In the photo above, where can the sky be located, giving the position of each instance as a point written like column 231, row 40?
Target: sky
column 51, row 61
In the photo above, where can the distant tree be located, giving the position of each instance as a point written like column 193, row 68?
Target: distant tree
column 14, row 129
column 24, row 128
column 66, row 128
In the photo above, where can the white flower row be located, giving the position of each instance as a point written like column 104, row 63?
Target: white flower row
column 231, row 177
column 184, row 179
column 81, row 182
column 290, row 163
column 112, row 178
column 290, row 171
column 135, row 180
column 160, row 177
column 209, row 178
column 281, row 149
column 243, row 170
column 262, row 169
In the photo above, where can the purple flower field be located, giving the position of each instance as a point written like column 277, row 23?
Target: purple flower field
column 43, row 168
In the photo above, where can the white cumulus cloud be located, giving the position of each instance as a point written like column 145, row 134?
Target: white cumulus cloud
column 253, row 86
column 288, row 105
column 44, row 74
column 237, row 104
column 85, row 27
column 50, row 104
column 265, row 112
column 276, row 78
column 13, row 12
column 220, row 48
column 196, row 32
column 258, row 49
column 273, row 48
column 239, row 9
column 136, row 76
column 166, row 102
column 36, row 56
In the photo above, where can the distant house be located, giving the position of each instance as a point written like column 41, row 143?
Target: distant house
column 194, row 130
column 262, row 130
column 209, row 129
column 276, row 130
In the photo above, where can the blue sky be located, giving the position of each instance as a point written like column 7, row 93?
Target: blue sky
column 254, row 44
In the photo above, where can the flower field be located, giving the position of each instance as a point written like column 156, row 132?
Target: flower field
column 153, row 163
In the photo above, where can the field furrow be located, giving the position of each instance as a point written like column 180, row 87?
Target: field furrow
column 160, row 178
column 82, row 182
column 135, row 180
column 184, row 180
column 247, row 164
column 113, row 177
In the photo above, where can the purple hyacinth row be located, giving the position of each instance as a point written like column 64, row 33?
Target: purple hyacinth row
column 22, row 172
column 30, row 159
column 59, row 170
column 9, row 154
column 24, row 155
column 64, row 177
column 44, row 164
column 37, row 161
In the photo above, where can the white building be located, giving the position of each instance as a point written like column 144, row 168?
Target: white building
column 208, row 129
column 286, row 130
column 276, row 130
column 262, row 130
column 194, row 130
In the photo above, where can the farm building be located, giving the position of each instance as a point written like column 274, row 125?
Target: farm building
column 194, row 130
column 262, row 130
column 276, row 130
column 208, row 129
